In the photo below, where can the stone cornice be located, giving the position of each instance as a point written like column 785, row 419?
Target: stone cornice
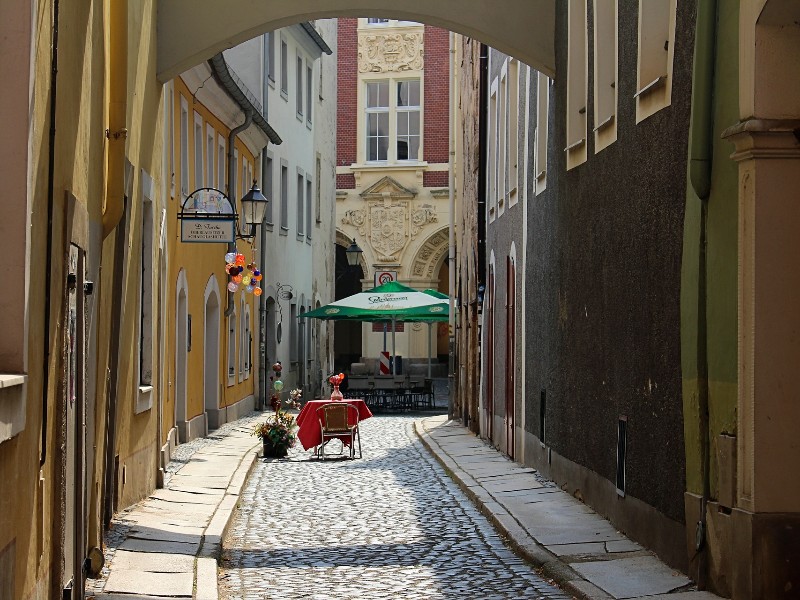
column 764, row 138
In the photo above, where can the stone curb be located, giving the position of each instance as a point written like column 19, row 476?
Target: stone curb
column 519, row 540
column 210, row 551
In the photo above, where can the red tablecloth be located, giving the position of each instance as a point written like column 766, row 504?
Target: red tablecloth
column 309, row 432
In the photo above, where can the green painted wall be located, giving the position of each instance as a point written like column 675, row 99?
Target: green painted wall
column 709, row 298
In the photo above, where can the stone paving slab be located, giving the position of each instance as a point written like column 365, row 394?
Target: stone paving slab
column 162, row 542
column 549, row 526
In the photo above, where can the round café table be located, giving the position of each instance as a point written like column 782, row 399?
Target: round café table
column 309, row 432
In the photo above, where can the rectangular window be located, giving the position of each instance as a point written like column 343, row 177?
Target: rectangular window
column 269, row 190
column 220, row 162
column 513, row 129
column 377, row 107
column 408, row 119
column 372, row 21
column 146, row 297
column 233, row 192
column 502, row 141
column 308, row 208
column 309, row 92
column 491, row 169
column 540, row 143
column 199, row 177
column 300, row 203
column 318, row 175
column 284, row 69
column 232, row 348
column 269, row 40
column 210, row 155
column 184, row 148
column 605, row 73
column 656, row 47
column 171, row 117
column 284, row 196
column 299, row 83
column 577, row 83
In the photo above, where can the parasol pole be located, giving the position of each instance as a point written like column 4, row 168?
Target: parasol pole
column 394, row 346
column 429, row 349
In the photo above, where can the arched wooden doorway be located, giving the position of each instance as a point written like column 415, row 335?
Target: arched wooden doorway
column 211, row 330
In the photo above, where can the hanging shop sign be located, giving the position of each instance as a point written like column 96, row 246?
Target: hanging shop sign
column 207, row 217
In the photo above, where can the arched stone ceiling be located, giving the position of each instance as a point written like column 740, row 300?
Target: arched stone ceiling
column 191, row 31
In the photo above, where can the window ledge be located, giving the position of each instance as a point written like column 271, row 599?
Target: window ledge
column 605, row 123
column 656, row 83
column 575, row 145
column 399, row 166
column 284, row 230
column 144, row 399
column 300, row 237
column 12, row 405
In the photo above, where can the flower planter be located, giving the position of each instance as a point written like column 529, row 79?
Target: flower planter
column 272, row 451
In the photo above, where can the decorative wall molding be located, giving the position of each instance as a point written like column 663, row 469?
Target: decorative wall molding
column 430, row 254
column 390, row 52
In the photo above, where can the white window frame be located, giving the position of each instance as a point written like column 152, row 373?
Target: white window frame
column 309, row 200
column 300, row 189
column 502, row 129
column 388, row 22
column 493, row 147
column 232, row 322
column 268, row 183
column 284, row 69
column 540, row 142
column 211, row 136
column 512, row 164
column 606, row 69
column 654, row 62
column 197, row 153
column 221, row 162
column 309, row 92
column 393, row 112
column 300, row 75
column 284, row 185
column 577, row 83
column 184, row 147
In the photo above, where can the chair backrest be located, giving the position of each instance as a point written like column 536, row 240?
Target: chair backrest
column 337, row 416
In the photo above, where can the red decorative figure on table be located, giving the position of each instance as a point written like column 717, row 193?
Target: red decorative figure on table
column 336, row 380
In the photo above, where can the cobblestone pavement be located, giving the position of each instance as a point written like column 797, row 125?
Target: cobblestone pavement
column 389, row 525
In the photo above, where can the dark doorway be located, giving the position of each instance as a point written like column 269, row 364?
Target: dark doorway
column 347, row 336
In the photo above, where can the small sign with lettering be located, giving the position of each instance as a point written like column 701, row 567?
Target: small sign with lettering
column 207, row 230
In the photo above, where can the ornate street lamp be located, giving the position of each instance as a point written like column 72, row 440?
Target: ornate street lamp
column 254, row 207
column 353, row 254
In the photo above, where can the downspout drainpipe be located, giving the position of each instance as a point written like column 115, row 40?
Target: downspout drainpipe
column 51, row 160
column 451, row 256
column 248, row 119
column 113, row 212
column 700, row 156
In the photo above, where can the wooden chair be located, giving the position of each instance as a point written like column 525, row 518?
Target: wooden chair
column 339, row 420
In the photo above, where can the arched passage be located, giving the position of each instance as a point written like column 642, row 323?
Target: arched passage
column 191, row 31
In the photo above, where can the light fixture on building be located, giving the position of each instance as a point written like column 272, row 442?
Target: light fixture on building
column 353, row 254
column 254, row 207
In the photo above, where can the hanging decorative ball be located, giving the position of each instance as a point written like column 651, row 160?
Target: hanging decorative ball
column 277, row 367
column 232, row 287
column 229, row 269
column 246, row 279
column 256, row 272
column 249, row 288
column 257, row 291
column 230, row 257
column 258, row 277
column 240, row 259
column 237, row 279
column 277, row 385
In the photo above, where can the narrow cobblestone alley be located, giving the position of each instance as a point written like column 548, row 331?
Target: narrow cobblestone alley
column 390, row 525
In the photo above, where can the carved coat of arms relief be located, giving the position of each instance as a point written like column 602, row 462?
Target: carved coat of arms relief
column 390, row 52
column 388, row 229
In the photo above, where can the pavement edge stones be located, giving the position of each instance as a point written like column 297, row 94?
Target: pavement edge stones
column 210, row 551
column 519, row 540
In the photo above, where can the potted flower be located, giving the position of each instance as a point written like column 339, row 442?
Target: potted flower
column 278, row 432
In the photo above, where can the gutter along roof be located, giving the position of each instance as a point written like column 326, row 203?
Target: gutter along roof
column 314, row 35
column 237, row 90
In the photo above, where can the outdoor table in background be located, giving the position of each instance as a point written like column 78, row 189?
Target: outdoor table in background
column 309, row 432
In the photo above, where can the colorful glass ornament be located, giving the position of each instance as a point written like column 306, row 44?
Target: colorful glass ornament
column 246, row 279
column 257, row 291
column 277, row 385
column 230, row 257
column 249, row 288
column 232, row 287
column 237, row 279
column 240, row 259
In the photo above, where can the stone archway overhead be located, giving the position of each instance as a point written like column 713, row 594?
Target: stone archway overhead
column 430, row 255
column 192, row 31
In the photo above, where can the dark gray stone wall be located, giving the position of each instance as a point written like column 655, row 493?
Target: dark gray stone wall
column 603, row 276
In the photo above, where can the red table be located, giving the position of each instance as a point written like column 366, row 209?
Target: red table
column 309, row 432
